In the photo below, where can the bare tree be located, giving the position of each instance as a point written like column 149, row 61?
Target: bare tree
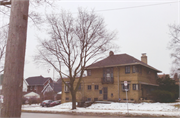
column 174, row 45
column 73, row 42
column 3, row 39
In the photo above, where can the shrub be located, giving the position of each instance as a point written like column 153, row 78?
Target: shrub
column 163, row 96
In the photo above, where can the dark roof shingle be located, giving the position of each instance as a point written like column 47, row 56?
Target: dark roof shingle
column 37, row 80
column 118, row 60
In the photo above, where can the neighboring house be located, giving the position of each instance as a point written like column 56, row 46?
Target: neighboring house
column 105, row 80
column 37, row 83
column 44, row 87
column 55, row 88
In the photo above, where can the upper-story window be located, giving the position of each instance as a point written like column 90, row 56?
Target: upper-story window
column 66, row 89
column 127, row 69
column 88, row 72
column 31, row 87
column 79, row 88
column 135, row 69
column 108, row 73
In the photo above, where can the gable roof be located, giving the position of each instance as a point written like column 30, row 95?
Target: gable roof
column 37, row 80
column 119, row 60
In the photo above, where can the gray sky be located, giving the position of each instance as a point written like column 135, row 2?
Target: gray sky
column 142, row 27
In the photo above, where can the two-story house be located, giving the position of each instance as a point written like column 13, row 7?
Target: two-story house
column 37, row 83
column 105, row 79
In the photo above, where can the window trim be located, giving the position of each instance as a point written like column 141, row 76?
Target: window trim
column 96, row 87
column 79, row 87
column 127, row 69
column 89, row 73
column 134, row 69
column 66, row 89
column 88, row 87
column 135, row 86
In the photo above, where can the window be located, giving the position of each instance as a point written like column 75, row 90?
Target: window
column 95, row 99
column 88, row 72
column 89, row 87
column 31, row 87
column 108, row 74
column 133, row 69
column 100, row 91
column 96, row 87
column 67, row 99
column 79, row 88
column 66, row 89
column 111, row 94
column 88, row 99
column 135, row 86
column 127, row 69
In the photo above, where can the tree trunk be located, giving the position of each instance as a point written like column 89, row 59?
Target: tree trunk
column 73, row 94
column 14, row 60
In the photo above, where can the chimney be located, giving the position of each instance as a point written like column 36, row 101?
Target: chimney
column 144, row 58
column 111, row 53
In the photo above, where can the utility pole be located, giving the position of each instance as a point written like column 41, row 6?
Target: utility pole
column 14, row 60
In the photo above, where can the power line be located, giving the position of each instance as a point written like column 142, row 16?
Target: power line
column 135, row 6
column 131, row 7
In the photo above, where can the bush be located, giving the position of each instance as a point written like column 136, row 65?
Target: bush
column 163, row 96
column 32, row 100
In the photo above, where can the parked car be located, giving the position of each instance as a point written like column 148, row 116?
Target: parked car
column 46, row 103
column 54, row 103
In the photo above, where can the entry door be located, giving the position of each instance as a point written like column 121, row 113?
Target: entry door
column 105, row 93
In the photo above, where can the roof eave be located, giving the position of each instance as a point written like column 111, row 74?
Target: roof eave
column 137, row 63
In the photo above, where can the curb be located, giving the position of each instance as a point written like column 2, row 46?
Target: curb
column 99, row 114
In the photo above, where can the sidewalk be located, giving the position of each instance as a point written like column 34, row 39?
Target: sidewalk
column 113, row 109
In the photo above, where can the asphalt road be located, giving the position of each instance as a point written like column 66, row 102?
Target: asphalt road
column 45, row 115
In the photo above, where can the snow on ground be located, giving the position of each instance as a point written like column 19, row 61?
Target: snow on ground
column 152, row 109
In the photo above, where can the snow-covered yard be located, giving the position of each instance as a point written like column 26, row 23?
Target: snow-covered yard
column 151, row 109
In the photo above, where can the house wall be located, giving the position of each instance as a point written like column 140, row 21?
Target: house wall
column 114, row 92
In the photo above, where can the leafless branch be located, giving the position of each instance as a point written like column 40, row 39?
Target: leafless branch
column 174, row 45
column 3, row 40
column 73, row 42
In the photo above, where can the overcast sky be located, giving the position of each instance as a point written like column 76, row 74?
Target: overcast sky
column 142, row 27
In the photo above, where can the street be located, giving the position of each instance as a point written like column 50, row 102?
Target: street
column 47, row 115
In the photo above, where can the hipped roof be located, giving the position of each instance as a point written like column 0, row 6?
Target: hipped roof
column 119, row 60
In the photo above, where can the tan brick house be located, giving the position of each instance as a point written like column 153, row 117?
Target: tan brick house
column 105, row 78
